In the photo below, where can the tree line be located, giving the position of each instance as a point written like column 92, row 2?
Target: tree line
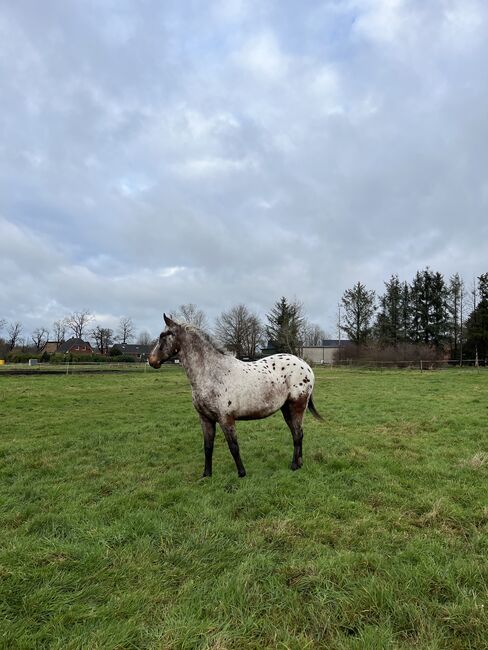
column 428, row 312
column 237, row 329
column 444, row 316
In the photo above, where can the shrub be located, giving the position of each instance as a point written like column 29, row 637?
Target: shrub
column 376, row 354
column 16, row 356
column 126, row 358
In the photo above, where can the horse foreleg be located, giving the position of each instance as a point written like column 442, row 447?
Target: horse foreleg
column 229, row 430
column 208, row 428
column 293, row 414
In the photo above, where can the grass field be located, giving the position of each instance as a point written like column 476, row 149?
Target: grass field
column 109, row 540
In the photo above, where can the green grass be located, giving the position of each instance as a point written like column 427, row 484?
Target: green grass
column 109, row 540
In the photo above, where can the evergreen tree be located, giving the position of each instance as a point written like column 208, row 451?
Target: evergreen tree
column 359, row 308
column 483, row 286
column 429, row 318
column 477, row 323
column 284, row 326
column 405, row 313
column 439, row 318
column 389, row 320
column 455, row 313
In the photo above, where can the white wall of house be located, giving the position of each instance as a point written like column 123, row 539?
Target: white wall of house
column 318, row 354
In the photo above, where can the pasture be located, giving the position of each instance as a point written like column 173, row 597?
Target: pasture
column 108, row 539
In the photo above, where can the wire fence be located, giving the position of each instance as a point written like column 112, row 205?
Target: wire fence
column 412, row 364
column 73, row 367
column 81, row 367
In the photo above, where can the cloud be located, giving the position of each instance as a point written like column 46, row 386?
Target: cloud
column 154, row 156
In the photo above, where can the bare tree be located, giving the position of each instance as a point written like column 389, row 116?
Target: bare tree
column 190, row 313
column 240, row 331
column 78, row 321
column 144, row 338
column 59, row 331
column 255, row 337
column 14, row 331
column 3, row 322
column 312, row 334
column 102, row 337
column 39, row 337
column 125, row 331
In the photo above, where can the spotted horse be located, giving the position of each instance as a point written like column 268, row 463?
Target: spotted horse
column 226, row 389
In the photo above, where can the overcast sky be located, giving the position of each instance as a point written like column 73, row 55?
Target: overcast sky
column 154, row 153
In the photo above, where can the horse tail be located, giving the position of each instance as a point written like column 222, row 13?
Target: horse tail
column 313, row 410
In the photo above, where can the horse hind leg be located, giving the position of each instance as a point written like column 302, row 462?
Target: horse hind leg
column 293, row 413
column 229, row 430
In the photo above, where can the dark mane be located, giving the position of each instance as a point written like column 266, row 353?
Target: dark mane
column 193, row 329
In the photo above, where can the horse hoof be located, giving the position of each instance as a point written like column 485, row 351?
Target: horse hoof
column 242, row 474
column 206, row 475
column 294, row 466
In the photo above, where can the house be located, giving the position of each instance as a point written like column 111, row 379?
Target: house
column 138, row 351
column 324, row 353
column 75, row 346
column 51, row 347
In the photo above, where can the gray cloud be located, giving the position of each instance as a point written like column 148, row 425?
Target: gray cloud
column 154, row 155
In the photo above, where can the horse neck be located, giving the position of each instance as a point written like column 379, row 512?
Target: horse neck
column 199, row 359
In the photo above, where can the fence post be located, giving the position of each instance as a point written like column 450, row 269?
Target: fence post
column 421, row 366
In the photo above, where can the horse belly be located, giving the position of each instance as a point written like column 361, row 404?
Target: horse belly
column 261, row 402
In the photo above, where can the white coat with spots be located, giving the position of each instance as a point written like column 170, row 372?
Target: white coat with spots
column 225, row 389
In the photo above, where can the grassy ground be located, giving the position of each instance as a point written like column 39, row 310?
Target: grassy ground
column 109, row 540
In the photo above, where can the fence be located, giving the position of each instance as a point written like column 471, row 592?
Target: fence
column 412, row 364
column 80, row 367
column 72, row 368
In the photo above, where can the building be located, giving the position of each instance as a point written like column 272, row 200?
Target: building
column 75, row 346
column 138, row 351
column 323, row 354
column 51, row 347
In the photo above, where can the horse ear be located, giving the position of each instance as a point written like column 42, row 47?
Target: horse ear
column 168, row 321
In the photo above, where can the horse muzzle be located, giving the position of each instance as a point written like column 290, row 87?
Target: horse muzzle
column 154, row 362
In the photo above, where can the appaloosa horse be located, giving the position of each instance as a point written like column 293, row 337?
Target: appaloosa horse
column 226, row 389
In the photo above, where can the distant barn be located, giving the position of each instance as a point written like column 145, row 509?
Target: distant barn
column 139, row 352
column 323, row 354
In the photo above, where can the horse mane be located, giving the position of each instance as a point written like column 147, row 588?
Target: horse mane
column 193, row 329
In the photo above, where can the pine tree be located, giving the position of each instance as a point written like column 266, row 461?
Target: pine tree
column 389, row 320
column 405, row 313
column 417, row 316
column 284, row 325
column 439, row 321
column 455, row 313
column 359, row 307
column 483, row 286
column 477, row 323
column 429, row 319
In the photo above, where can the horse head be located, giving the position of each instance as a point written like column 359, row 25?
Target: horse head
column 168, row 344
